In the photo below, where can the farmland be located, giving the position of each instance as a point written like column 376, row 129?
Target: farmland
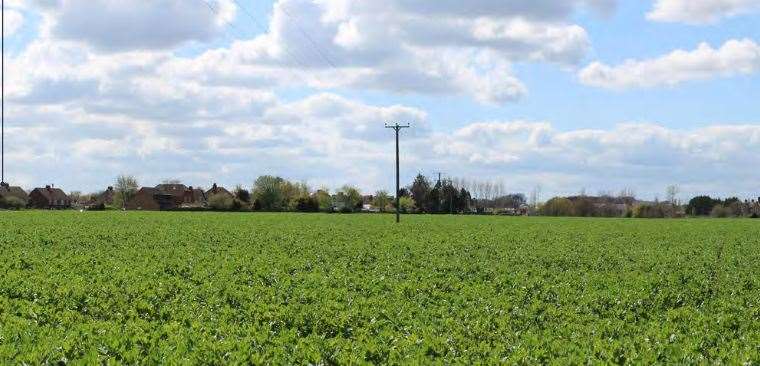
column 288, row 288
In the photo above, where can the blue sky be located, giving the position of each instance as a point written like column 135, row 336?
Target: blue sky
column 600, row 95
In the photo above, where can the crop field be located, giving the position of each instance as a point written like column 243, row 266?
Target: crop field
column 190, row 288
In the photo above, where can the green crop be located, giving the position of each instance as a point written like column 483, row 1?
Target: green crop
column 203, row 288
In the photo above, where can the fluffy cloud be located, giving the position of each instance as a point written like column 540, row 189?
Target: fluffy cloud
column 646, row 156
column 700, row 12
column 115, row 25
column 402, row 46
column 735, row 57
column 13, row 21
column 397, row 45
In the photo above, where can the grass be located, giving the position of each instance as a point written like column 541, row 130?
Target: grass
column 188, row 288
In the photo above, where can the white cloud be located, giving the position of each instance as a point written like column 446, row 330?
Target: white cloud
column 464, row 49
column 116, row 25
column 641, row 155
column 735, row 57
column 700, row 11
column 13, row 22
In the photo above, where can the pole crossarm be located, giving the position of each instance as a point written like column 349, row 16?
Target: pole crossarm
column 397, row 128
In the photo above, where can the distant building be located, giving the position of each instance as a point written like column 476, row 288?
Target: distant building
column 167, row 197
column 105, row 198
column 49, row 198
column 7, row 191
column 215, row 190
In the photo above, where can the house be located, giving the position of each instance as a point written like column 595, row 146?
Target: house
column 7, row 191
column 218, row 190
column 167, row 197
column 106, row 197
column 49, row 198
column 102, row 199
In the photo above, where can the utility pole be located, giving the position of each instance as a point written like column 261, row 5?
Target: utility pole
column 397, row 128
column 2, row 113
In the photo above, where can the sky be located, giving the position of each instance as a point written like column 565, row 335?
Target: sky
column 567, row 96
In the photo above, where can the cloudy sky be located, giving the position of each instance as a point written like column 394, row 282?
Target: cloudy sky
column 599, row 95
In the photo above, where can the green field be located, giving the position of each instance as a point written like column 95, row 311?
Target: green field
column 287, row 288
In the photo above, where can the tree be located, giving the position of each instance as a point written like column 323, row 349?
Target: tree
column 557, row 207
column 449, row 198
column 671, row 194
column 268, row 194
column 407, row 204
column 76, row 197
column 125, row 187
column 381, row 200
column 220, row 202
column 420, row 191
column 348, row 199
column 433, row 204
column 464, row 200
column 324, row 200
column 701, row 205
column 242, row 194
column 307, row 204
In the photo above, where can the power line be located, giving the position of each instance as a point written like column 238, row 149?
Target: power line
column 306, row 35
column 264, row 29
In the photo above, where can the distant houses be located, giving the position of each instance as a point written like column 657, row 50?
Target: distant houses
column 49, row 198
column 172, row 197
column 8, row 192
column 215, row 190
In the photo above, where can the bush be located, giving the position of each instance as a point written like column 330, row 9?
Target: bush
column 220, row 202
column 307, row 204
column 649, row 212
column 720, row 211
column 98, row 207
column 12, row 203
column 407, row 204
column 558, row 207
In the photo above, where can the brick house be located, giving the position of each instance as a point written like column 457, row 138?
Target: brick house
column 218, row 190
column 49, row 198
column 7, row 191
column 167, row 197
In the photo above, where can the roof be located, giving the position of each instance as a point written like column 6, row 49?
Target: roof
column 51, row 194
column 172, row 189
column 217, row 190
column 9, row 191
column 150, row 190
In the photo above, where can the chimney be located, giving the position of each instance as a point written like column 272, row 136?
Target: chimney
column 214, row 187
column 47, row 187
column 190, row 188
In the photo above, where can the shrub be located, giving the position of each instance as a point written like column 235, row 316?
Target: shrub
column 649, row 212
column 12, row 203
column 220, row 202
column 720, row 211
column 307, row 204
column 406, row 204
column 558, row 207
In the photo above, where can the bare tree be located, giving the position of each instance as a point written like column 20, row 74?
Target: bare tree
column 126, row 187
column 627, row 193
column 671, row 194
column 535, row 197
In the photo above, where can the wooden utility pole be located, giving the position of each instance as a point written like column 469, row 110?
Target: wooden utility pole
column 397, row 128
column 2, row 113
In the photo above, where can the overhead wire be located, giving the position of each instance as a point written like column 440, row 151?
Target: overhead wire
column 293, row 57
